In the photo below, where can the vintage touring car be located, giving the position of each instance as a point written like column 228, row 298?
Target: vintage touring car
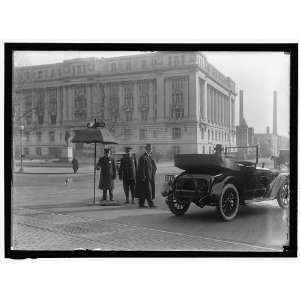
column 224, row 181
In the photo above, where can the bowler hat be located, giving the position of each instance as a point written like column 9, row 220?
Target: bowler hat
column 148, row 146
column 106, row 150
column 128, row 148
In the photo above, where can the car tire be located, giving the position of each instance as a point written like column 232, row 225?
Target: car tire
column 229, row 202
column 283, row 196
column 176, row 207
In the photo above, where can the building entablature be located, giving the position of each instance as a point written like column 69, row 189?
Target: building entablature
column 116, row 66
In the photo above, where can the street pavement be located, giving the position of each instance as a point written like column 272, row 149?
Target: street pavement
column 49, row 214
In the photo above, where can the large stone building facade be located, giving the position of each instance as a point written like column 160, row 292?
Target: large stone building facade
column 177, row 101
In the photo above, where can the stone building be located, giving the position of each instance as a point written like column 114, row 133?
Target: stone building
column 177, row 101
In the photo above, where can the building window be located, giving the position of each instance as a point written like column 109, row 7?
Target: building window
column 127, row 133
column 55, row 152
column 128, row 66
column 154, row 133
column 170, row 60
column 26, row 151
column 176, row 60
column 39, row 136
column 182, row 59
column 176, row 149
column 27, row 136
column 203, row 149
column 51, row 136
column 176, row 133
column 142, row 134
column 113, row 67
column 40, row 106
column 40, row 74
column 216, row 136
column 202, row 133
column 144, row 115
column 208, row 134
column 144, row 64
column 177, row 107
column 53, row 119
column 38, row 151
column 80, row 104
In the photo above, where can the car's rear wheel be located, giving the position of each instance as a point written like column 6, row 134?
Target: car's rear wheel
column 283, row 197
column 229, row 202
column 177, row 207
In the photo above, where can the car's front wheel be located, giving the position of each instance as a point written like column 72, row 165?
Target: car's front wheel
column 229, row 202
column 283, row 197
column 177, row 207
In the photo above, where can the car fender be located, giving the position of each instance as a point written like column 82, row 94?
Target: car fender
column 276, row 184
column 218, row 183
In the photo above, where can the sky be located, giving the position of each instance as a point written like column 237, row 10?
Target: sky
column 258, row 74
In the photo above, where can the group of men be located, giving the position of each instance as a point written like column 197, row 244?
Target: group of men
column 138, row 178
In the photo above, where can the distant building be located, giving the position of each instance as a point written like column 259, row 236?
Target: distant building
column 244, row 134
column 271, row 143
column 177, row 101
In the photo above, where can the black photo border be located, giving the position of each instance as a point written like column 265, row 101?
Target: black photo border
column 289, row 48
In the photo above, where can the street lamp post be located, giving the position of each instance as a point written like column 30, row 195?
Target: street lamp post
column 21, row 144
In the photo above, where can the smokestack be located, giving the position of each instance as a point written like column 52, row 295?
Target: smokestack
column 241, row 107
column 275, row 112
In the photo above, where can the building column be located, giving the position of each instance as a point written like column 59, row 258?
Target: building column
column 229, row 111
column 223, row 110
column 233, row 112
column 218, row 108
column 160, row 95
column 204, row 95
column 151, row 100
column 33, row 105
column 193, row 103
column 121, row 101
column 88, row 102
column 212, row 93
column 187, row 97
column 209, row 104
column 58, row 105
column 168, row 96
column 46, row 111
column 106, row 101
column 64, row 101
column 135, row 101
column 71, row 96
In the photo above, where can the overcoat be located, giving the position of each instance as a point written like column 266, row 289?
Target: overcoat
column 145, row 181
column 128, row 168
column 107, row 172
column 75, row 164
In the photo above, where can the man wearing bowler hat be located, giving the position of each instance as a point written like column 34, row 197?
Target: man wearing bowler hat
column 127, row 173
column 145, row 183
column 107, row 167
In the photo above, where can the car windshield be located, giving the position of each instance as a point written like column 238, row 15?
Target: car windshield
column 241, row 153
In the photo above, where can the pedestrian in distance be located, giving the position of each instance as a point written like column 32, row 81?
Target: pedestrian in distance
column 145, row 182
column 127, row 173
column 75, row 165
column 107, row 167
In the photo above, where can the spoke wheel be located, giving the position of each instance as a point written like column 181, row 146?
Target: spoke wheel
column 283, row 197
column 178, row 208
column 229, row 203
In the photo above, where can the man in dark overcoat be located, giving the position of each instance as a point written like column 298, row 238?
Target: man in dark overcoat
column 107, row 167
column 145, row 183
column 127, row 173
column 75, row 165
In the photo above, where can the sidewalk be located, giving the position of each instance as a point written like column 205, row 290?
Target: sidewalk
column 162, row 168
